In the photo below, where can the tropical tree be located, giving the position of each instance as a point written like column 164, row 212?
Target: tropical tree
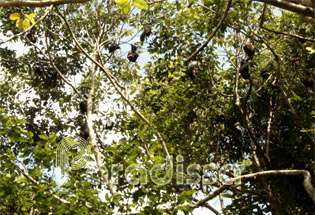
column 177, row 103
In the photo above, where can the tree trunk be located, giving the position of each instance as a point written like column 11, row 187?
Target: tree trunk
column 297, row 8
column 308, row 3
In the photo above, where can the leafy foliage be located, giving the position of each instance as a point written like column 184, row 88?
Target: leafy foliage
column 39, row 109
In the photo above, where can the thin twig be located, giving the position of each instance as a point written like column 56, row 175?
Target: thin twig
column 27, row 30
column 297, row 118
column 212, row 34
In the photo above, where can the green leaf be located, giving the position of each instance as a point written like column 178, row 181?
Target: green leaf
column 52, row 137
column 18, row 131
column 9, row 123
column 44, row 137
column 23, row 139
column 310, row 50
column 19, row 23
column 15, row 16
column 12, row 139
column 126, row 8
column 121, row 2
column 4, row 117
column 32, row 21
column 29, row 16
column 26, row 24
column 140, row 4
column 47, row 146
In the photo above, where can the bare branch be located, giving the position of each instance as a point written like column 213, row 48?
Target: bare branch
column 268, row 128
column 206, row 205
column 214, row 85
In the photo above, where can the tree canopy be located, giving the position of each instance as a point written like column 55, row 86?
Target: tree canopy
column 157, row 107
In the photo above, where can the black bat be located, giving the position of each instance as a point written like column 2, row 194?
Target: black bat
column 132, row 54
column 191, row 70
column 84, row 132
column 83, row 107
column 113, row 47
column 295, row 56
column 244, row 69
column 31, row 35
column 109, row 124
column 264, row 74
column 249, row 48
column 146, row 33
column 308, row 80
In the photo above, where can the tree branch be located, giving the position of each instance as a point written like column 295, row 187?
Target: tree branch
column 309, row 3
column 297, row 119
column 98, row 157
column 49, row 57
column 297, row 8
column 212, row 34
column 306, row 182
column 246, row 123
column 37, row 3
column 27, row 30
column 110, row 77
column 30, row 178
column 279, row 32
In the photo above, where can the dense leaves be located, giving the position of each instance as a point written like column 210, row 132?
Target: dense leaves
column 153, row 99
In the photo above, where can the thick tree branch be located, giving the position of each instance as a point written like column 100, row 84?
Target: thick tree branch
column 309, row 3
column 98, row 157
column 246, row 123
column 37, row 3
column 261, row 24
column 274, row 202
column 297, row 8
column 306, row 182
